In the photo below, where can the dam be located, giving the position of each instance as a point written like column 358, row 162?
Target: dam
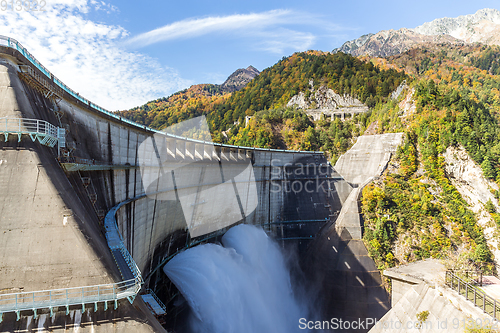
column 83, row 236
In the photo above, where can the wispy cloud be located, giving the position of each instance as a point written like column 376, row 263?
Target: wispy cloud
column 196, row 27
column 88, row 56
column 266, row 30
column 282, row 39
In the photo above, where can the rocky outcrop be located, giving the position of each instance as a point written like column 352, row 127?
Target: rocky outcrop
column 469, row 180
column 406, row 105
column 390, row 42
column 325, row 101
column 323, row 98
column 239, row 79
column 483, row 27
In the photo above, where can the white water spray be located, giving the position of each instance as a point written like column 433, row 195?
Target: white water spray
column 242, row 287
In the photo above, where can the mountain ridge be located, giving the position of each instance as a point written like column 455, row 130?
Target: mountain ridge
column 239, row 78
column 482, row 26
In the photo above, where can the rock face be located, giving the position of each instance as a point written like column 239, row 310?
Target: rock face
column 469, row 180
column 239, row 79
column 483, row 27
column 390, row 42
column 323, row 98
column 325, row 101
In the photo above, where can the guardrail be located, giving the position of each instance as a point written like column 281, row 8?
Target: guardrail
column 46, row 133
column 67, row 297
column 488, row 304
column 14, row 44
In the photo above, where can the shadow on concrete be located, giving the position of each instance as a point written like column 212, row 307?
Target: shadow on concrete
column 344, row 279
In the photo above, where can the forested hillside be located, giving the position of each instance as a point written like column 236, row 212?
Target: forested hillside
column 451, row 98
column 414, row 211
column 266, row 97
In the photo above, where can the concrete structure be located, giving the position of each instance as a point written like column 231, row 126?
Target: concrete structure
column 419, row 288
column 318, row 114
column 51, row 213
column 351, row 285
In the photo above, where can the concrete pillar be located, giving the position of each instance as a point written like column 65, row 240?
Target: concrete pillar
column 224, row 154
column 233, row 154
column 209, row 152
column 171, row 147
column 180, row 149
column 199, row 151
column 242, row 154
column 189, row 150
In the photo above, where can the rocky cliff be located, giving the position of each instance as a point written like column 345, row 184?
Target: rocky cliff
column 239, row 79
column 390, row 42
column 469, row 180
column 483, row 27
column 323, row 98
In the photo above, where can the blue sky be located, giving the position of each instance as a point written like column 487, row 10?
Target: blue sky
column 121, row 54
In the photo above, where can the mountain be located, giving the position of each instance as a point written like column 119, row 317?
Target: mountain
column 271, row 89
column 390, row 42
column 188, row 103
column 483, row 27
column 239, row 79
column 450, row 103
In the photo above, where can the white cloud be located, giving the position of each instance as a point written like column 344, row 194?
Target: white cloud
column 266, row 31
column 95, row 59
column 87, row 56
column 202, row 26
column 282, row 39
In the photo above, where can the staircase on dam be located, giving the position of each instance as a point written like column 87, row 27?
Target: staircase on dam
column 65, row 263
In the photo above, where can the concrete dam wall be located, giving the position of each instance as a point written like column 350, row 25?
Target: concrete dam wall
column 54, row 201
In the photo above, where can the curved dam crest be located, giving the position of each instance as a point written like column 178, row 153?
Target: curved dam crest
column 52, row 214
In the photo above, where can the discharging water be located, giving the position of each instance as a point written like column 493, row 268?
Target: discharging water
column 243, row 286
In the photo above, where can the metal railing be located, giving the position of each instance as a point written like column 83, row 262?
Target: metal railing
column 46, row 133
column 14, row 44
column 160, row 303
column 51, row 299
column 66, row 297
column 488, row 304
